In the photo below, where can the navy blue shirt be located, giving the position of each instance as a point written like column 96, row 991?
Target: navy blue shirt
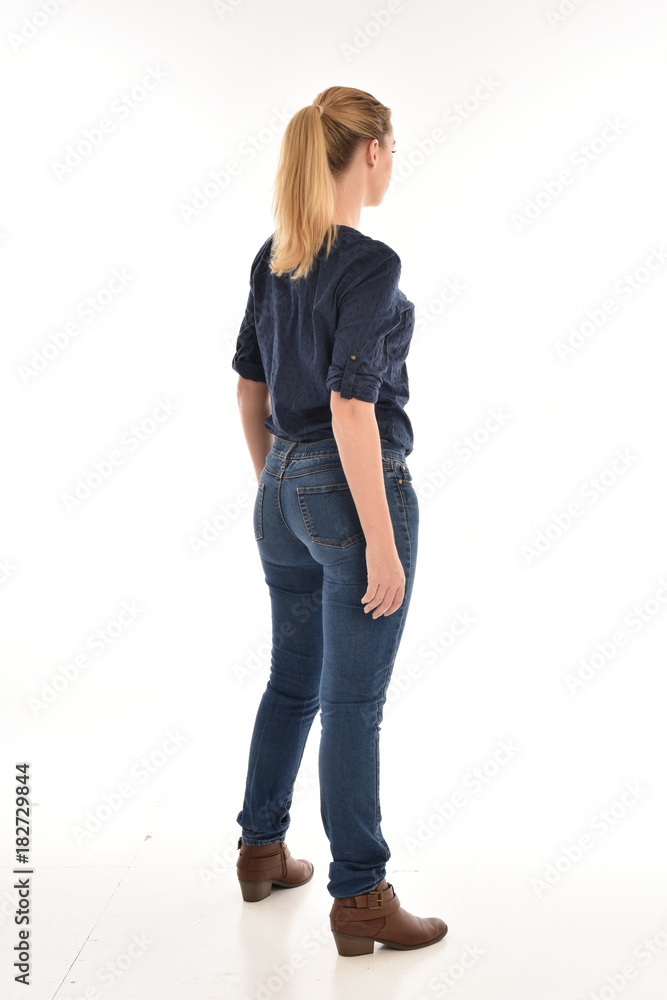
column 346, row 325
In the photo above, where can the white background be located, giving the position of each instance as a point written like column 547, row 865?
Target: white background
column 168, row 530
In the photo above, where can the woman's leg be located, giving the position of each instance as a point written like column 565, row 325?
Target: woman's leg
column 358, row 658
column 291, row 698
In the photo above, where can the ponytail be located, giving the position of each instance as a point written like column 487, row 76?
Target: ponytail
column 318, row 144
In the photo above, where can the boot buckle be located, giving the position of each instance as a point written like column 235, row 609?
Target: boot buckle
column 379, row 903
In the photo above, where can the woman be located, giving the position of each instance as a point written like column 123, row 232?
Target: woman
column 322, row 385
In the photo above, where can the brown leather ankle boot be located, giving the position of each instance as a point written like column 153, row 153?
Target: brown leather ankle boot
column 260, row 867
column 357, row 922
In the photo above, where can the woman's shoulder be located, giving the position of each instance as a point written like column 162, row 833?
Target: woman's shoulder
column 372, row 248
column 370, row 257
column 262, row 255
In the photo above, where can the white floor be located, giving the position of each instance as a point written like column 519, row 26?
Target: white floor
column 538, row 618
column 163, row 925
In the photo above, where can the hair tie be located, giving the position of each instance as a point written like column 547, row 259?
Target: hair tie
column 321, row 109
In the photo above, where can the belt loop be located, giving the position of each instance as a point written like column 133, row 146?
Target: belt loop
column 283, row 466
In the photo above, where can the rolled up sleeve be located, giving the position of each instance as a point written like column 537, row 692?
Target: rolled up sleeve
column 247, row 360
column 367, row 313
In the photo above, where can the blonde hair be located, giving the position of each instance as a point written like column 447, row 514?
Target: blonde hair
column 319, row 143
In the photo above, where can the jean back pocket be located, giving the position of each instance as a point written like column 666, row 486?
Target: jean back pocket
column 330, row 514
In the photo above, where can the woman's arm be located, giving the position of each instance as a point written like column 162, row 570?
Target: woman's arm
column 357, row 435
column 254, row 403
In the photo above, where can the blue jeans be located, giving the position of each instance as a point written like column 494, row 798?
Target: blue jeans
column 327, row 654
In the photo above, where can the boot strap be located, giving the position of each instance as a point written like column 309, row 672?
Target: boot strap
column 376, row 900
column 259, row 865
column 256, row 864
column 389, row 905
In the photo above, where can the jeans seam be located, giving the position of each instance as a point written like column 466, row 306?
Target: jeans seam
column 261, row 843
column 280, row 510
column 259, row 522
column 390, row 668
column 387, row 465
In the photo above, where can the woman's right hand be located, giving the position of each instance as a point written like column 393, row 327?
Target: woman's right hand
column 386, row 579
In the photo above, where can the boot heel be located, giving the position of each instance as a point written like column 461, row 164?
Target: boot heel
column 349, row 944
column 252, row 892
